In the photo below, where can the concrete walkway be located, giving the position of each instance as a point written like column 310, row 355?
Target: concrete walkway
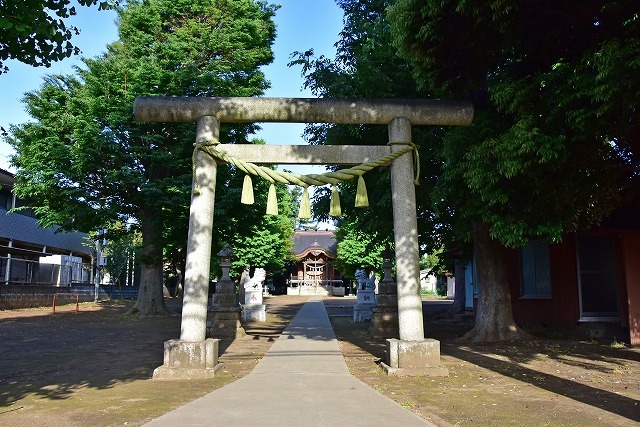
column 302, row 381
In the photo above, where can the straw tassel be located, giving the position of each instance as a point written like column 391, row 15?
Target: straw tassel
column 272, row 201
column 362, row 200
column 247, row 191
column 334, row 208
column 305, row 205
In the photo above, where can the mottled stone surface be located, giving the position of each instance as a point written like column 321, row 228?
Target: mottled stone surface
column 224, row 322
column 414, row 357
column 254, row 312
column 189, row 360
column 405, row 231
column 196, row 278
column 303, row 110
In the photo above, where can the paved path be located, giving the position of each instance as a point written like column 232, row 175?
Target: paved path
column 301, row 381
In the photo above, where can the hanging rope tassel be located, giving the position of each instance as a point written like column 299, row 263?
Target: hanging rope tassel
column 247, row 191
column 334, row 208
column 362, row 200
column 333, row 178
column 272, row 201
column 305, row 205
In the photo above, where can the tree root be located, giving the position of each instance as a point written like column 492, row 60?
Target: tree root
column 484, row 335
column 161, row 312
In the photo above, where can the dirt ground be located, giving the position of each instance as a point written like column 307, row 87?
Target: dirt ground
column 94, row 368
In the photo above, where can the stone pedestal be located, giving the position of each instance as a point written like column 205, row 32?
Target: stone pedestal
column 188, row 360
column 224, row 322
column 414, row 358
column 253, row 309
column 253, row 297
column 384, row 321
column 223, row 313
column 254, row 312
column 363, row 309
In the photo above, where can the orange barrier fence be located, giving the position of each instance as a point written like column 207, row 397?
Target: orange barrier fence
column 62, row 293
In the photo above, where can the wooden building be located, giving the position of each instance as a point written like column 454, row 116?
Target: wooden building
column 589, row 284
column 314, row 272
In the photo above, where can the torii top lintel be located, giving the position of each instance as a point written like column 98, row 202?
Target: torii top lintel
column 303, row 110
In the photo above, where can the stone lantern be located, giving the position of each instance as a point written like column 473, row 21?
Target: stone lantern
column 226, row 255
column 384, row 321
column 223, row 315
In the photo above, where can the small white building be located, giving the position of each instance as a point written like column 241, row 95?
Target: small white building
column 64, row 269
column 428, row 281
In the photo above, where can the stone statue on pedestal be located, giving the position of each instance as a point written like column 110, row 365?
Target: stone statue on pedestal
column 364, row 281
column 253, row 307
column 362, row 310
column 255, row 282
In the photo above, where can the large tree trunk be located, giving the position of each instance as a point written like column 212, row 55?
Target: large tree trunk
column 458, row 306
column 494, row 319
column 460, row 291
column 150, row 296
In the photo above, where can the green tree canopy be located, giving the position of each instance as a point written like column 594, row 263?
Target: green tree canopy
column 267, row 245
column 554, row 146
column 358, row 249
column 85, row 161
column 36, row 31
column 257, row 239
column 367, row 66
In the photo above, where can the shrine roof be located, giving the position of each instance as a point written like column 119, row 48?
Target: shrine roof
column 306, row 241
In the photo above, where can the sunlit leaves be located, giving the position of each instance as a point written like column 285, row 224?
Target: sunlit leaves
column 36, row 31
column 554, row 144
column 358, row 249
column 84, row 161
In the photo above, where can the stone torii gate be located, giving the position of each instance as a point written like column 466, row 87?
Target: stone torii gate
column 195, row 356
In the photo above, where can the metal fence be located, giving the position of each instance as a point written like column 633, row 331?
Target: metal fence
column 25, row 271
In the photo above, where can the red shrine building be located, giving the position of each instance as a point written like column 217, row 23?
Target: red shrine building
column 314, row 273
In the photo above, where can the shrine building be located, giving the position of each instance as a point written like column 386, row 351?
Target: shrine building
column 314, row 273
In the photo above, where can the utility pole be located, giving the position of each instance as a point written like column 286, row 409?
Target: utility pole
column 101, row 242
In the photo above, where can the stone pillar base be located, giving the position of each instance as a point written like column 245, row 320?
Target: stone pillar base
column 414, row 358
column 184, row 360
column 224, row 322
column 384, row 323
column 254, row 312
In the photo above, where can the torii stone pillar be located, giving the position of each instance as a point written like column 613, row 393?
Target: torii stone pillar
column 194, row 305
column 405, row 232
column 193, row 355
column 411, row 353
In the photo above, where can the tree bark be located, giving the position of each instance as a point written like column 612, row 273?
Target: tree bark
column 494, row 318
column 150, row 300
column 458, row 306
column 460, row 291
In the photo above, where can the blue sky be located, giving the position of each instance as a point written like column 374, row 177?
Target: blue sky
column 301, row 25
